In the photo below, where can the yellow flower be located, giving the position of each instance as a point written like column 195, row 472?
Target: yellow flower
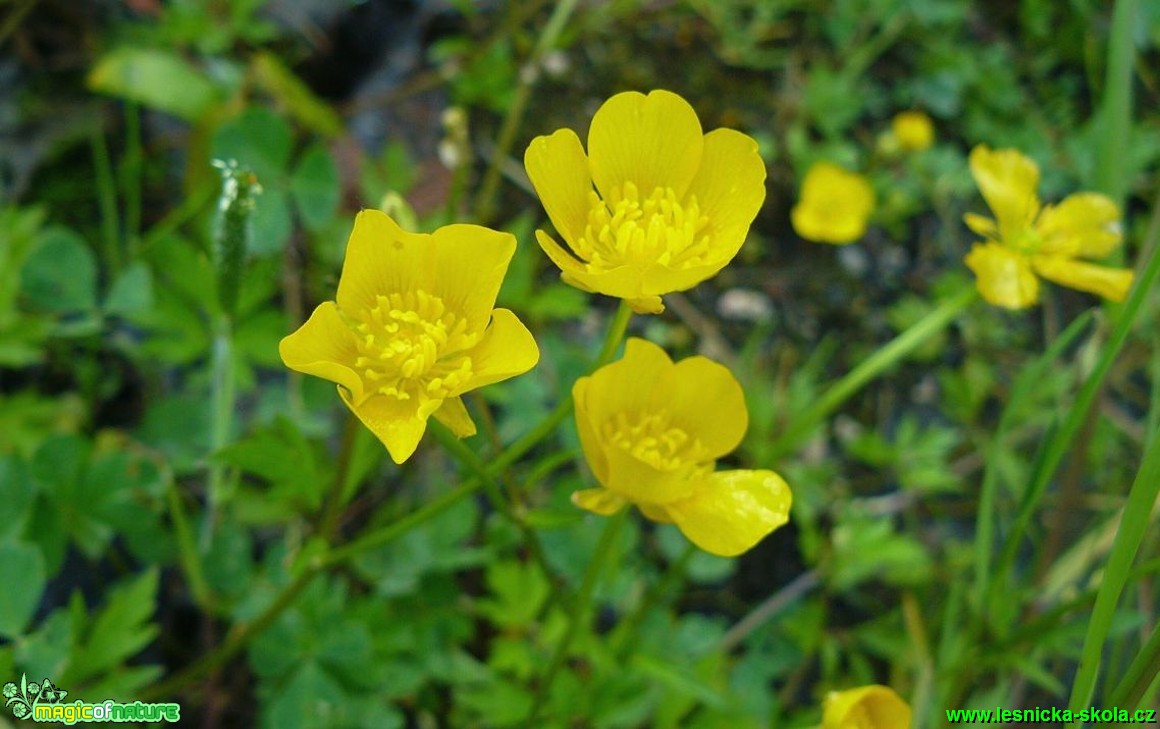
column 1028, row 241
column 834, row 205
column 412, row 328
column 671, row 206
column 913, row 130
column 651, row 431
column 867, row 707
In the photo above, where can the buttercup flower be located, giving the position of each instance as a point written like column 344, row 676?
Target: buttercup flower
column 1028, row 241
column 651, row 431
column 412, row 328
column 867, row 707
column 913, row 130
column 834, row 205
column 670, row 208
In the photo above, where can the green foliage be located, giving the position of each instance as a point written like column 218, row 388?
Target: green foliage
column 958, row 517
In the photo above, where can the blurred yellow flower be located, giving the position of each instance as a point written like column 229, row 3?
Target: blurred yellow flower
column 652, row 430
column 834, row 205
column 671, row 206
column 913, row 130
column 412, row 328
column 867, row 707
column 1028, row 241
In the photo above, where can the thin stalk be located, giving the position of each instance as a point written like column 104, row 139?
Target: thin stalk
column 1116, row 110
column 223, row 398
column 1061, row 437
column 107, row 202
column 1137, row 515
column 187, row 548
column 1020, row 391
column 332, row 509
column 529, row 74
column 626, row 632
column 1140, row 675
column 578, row 610
column 769, row 607
column 870, row 368
column 132, row 173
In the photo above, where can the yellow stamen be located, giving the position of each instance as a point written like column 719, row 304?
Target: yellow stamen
column 628, row 230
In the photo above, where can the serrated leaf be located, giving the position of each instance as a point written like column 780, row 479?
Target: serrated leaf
column 159, row 79
column 120, row 630
column 22, row 573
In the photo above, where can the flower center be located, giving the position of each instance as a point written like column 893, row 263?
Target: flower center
column 653, row 439
column 411, row 347
column 627, row 229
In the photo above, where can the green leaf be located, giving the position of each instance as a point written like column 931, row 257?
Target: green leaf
column 519, row 591
column 271, row 223
column 61, row 274
column 314, row 186
column 16, row 495
column 119, row 631
column 132, row 292
column 159, row 79
column 258, row 139
column 22, row 573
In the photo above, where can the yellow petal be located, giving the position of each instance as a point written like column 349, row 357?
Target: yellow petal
column 453, row 413
column 626, row 385
column 731, row 511
column 655, row 512
column 641, row 482
column 590, row 440
column 324, row 347
column 1085, row 224
column 646, row 305
column 730, row 189
column 652, row 141
column 382, row 258
column 658, row 279
column 706, row 401
column 1008, row 181
column 1004, row 276
column 470, row 263
column 983, row 226
column 506, row 350
column 835, row 205
column 566, row 262
column 913, row 129
column 867, row 707
column 598, row 501
column 396, row 423
column 1110, row 283
column 559, row 172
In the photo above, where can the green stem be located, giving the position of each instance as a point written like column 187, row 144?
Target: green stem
column 107, row 202
column 494, row 492
column 221, row 424
column 332, row 510
column 187, row 548
column 489, row 188
column 1025, row 385
column 1134, row 521
column 1057, row 447
column 131, row 170
column 1141, row 673
column 1116, row 110
column 871, row 367
column 579, row 608
column 237, row 639
column 626, row 632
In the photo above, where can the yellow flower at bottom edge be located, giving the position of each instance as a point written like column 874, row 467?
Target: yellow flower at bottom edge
column 654, row 207
column 913, row 130
column 1026, row 242
column 834, row 205
column 867, row 707
column 412, row 328
column 652, row 430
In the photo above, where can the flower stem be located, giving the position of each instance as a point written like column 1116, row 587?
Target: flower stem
column 222, row 422
column 871, row 367
column 529, row 74
column 578, row 609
